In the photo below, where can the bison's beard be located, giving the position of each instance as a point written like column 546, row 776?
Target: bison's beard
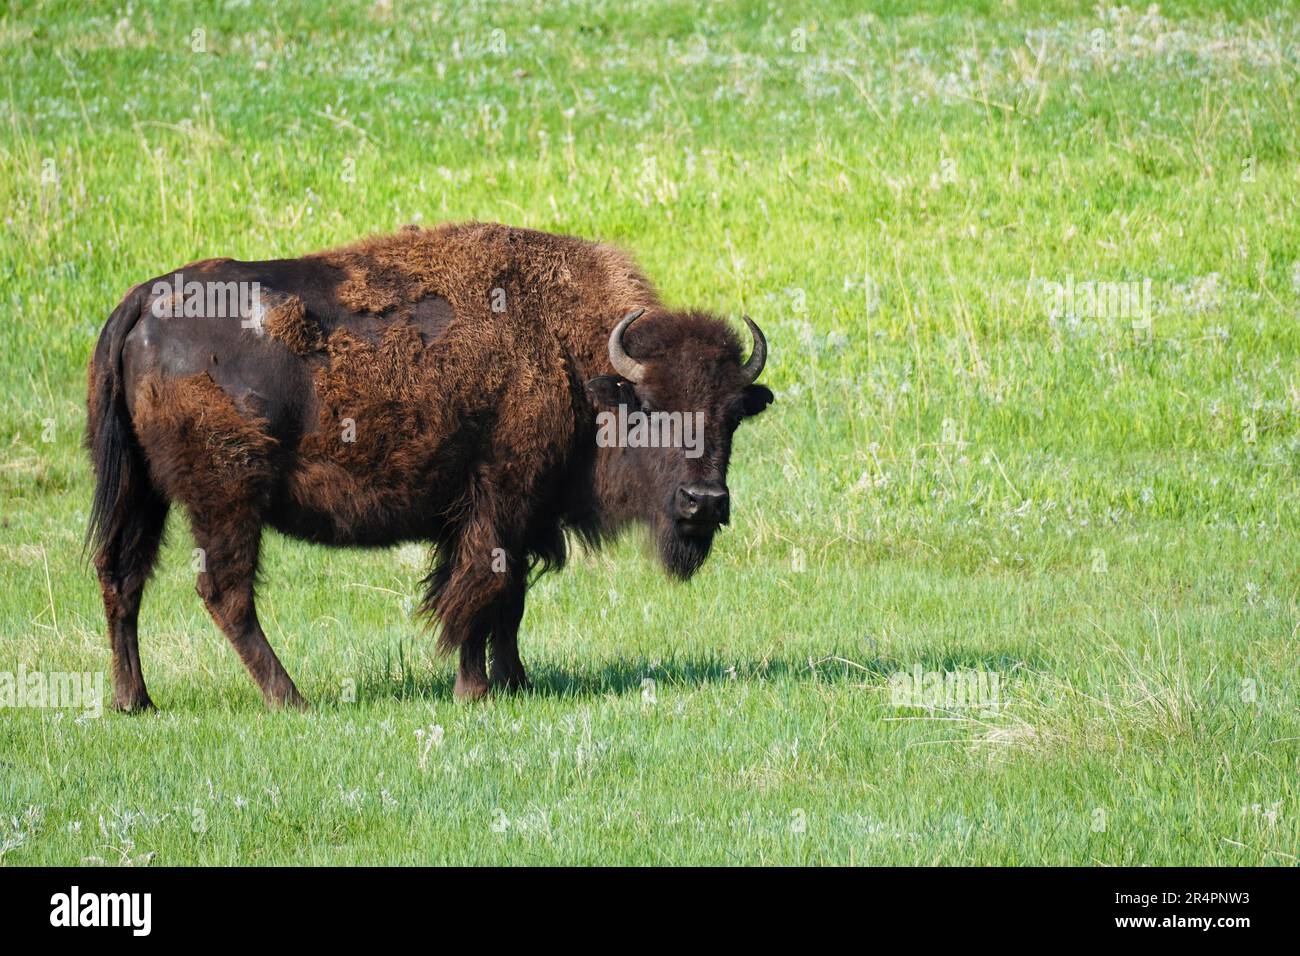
column 682, row 554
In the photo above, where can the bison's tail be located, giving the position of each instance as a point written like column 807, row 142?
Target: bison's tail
column 116, row 457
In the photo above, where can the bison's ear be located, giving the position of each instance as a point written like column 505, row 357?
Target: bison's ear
column 756, row 398
column 610, row 391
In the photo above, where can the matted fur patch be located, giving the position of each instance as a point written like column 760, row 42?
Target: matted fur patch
column 202, row 447
column 287, row 321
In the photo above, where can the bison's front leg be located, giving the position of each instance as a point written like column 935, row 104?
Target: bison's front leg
column 471, row 675
column 507, row 669
column 507, row 673
column 463, row 606
column 477, row 592
column 499, row 622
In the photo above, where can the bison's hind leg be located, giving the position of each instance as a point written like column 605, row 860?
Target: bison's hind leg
column 229, row 547
column 123, row 563
column 216, row 459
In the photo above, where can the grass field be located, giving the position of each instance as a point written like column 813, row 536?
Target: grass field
column 1093, row 506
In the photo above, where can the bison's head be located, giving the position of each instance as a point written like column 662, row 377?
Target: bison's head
column 665, row 424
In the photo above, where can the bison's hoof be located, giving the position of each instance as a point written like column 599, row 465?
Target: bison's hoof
column 470, row 689
column 288, row 701
column 133, row 705
column 514, row 684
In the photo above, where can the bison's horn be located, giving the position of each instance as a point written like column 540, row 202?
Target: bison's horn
column 757, row 358
column 624, row 364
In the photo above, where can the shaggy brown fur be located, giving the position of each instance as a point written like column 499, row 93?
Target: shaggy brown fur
column 288, row 321
column 200, row 442
column 436, row 384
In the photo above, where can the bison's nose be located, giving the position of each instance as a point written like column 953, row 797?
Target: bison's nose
column 703, row 503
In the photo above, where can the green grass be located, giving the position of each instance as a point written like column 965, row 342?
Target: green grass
column 950, row 476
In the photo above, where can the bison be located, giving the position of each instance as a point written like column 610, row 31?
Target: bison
column 440, row 385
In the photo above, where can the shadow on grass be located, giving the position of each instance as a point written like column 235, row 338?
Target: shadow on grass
column 415, row 682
